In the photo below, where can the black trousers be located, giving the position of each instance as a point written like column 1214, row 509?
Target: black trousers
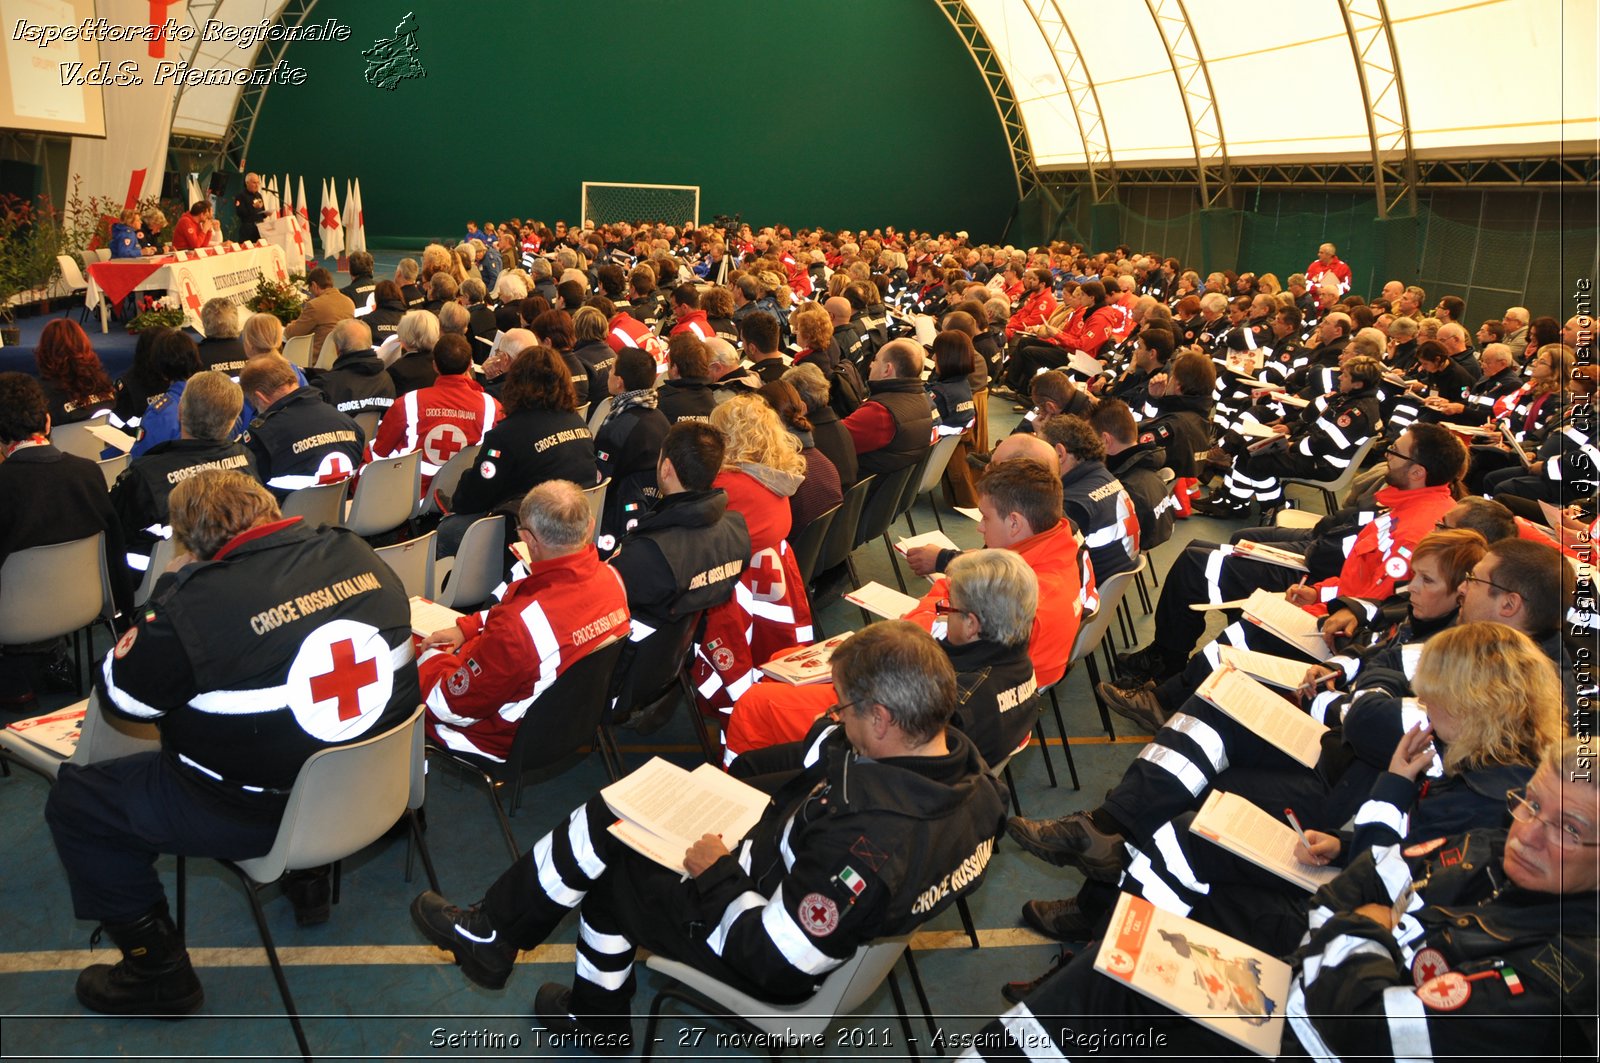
column 111, row 820
column 1203, row 573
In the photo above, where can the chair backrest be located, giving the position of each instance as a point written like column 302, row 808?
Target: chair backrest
column 76, row 439
column 583, row 411
column 297, row 349
column 597, row 500
column 111, row 468
column 933, row 470
column 368, row 420
column 386, row 494
column 412, row 561
column 841, row 536
column 70, row 273
column 883, row 504
column 318, row 505
column 1093, row 628
column 48, row 591
column 106, row 737
column 1167, row 475
column 908, row 494
column 344, row 799
column 102, row 254
column 476, row 570
column 160, row 557
column 598, row 414
column 652, row 666
column 567, row 715
column 449, row 475
column 807, row 546
column 328, row 354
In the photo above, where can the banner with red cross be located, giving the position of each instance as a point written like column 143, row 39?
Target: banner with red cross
column 191, row 279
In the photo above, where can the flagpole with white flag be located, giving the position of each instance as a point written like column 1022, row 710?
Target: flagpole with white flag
column 332, row 230
column 360, row 241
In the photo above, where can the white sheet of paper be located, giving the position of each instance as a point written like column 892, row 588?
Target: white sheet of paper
column 114, row 437
column 882, row 601
column 1267, row 667
column 972, row 513
column 429, row 616
column 1240, row 827
column 665, row 809
column 1265, row 713
column 932, row 538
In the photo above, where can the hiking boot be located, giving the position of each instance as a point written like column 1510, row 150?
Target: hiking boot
column 154, row 976
column 1221, row 507
column 467, row 934
column 603, row 1035
column 1062, row 920
column 1146, row 664
column 1017, row 992
column 1138, row 704
column 1071, row 841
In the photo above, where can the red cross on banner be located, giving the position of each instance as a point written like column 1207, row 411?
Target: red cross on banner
column 191, row 298
column 442, row 443
column 345, row 681
column 765, row 576
column 158, row 19
column 299, row 237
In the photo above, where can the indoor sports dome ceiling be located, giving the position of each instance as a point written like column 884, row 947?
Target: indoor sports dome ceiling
column 1086, row 85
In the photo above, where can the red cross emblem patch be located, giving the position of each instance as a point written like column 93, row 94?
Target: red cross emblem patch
column 819, row 915
column 443, row 442
column 340, row 680
column 334, row 469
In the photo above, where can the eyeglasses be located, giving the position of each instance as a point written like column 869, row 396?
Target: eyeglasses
column 1473, row 577
column 1393, row 453
column 1440, row 525
column 943, row 608
column 1524, row 809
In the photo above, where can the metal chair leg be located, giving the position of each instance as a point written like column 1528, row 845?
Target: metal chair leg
column 967, row 924
column 1044, row 750
column 419, row 844
column 894, row 560
column 1094, row 685
column 1066, row 743
column 922, row 998
column 905, row 1020
column 1011, row 784
column 272, row 958
column 936, row 518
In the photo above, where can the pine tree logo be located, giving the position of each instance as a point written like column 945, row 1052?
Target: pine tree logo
column 392, row 59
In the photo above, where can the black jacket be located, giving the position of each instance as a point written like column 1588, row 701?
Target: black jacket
column 360, row 288
column 224, row 354
column 523, row 450
column 834, row 441
column 244, row 701
column 301, row 441
column 597, row 358
column 686, row 398
column 140, row 494
column 1181, row 425
column 384, row 320
column 996, row 696
column 771, row 368
column 412, row 371
column 1138, row 468
column 683, row 556
column 907, row 403
column 357, row 383
column 627, row 447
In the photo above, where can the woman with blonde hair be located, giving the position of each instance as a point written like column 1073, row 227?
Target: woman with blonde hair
column 762, row 468
column 262, row 334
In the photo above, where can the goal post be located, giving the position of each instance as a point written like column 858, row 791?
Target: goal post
column 604, row 202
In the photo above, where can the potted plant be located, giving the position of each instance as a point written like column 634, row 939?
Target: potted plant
column 280, row 299
column 30, row 238
column 165, row 312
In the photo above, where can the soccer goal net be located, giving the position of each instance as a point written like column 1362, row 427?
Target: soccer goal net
column 605, row 202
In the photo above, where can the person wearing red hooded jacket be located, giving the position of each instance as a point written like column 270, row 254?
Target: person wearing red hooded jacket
column 769, row 611
column 1089, row 327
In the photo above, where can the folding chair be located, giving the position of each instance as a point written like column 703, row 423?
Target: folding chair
column 449, row 475
column 160, row 557
column 385, row 495
column 879, row 512
column 845, row 989
column 597, row 415
column 412, row 561
column 477, row 568
column 650, row 681
column 569, row 722
column 369, row 421
column 55, row 590
column 344, row 799
column 932, row 475
column 1332, row 489
column 838, row 542
column 318, row 506
column 73, row 278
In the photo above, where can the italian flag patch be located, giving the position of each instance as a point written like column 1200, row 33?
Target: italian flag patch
column 852, row 881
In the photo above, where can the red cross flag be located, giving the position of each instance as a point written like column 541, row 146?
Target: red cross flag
column 340, row 680
column 332, row 230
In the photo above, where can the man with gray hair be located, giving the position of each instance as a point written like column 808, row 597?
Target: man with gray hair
column 819, row 875
column 482, row 677
column 405, row 275
column 729, row 376
column 1459, row 344
column 1500, row 378
column 220, row 349
column 356, row 382
column 1516, row 325
column 208, row 417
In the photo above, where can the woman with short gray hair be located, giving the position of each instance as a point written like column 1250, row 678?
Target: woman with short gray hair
column 989, row 614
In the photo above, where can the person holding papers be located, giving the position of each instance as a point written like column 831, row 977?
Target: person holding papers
column 1474, row 945
column 1362, row 553
column 487, row 672
column 1484, row 691
column 891, row 817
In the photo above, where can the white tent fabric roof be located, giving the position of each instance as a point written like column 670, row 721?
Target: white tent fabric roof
column 1482, row 78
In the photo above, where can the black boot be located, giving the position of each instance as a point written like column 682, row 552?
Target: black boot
column 311, row 893
column 154, row 977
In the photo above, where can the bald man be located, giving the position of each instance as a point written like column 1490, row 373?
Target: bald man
column 845, row 335
column 894, row 426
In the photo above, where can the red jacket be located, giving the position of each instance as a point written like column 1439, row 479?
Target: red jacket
column 1380, row 556
column 695, row 323
column 625, row 330
column 1036, row 310
column 768, row 612
column 451, row 414
column 189, row 233
column 1315, row 271
column 1066, row 588
column 545, row 623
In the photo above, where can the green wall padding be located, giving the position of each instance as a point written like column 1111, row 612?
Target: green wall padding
column 810, row 112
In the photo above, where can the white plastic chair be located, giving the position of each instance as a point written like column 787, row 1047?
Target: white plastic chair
column 344, row 799
column 102, row 254
column 385, row 495
column 597, row 414
column 111, row 468
column 318, row 505
column 369, row 421
column 55, row 590
column 845, row 989
column 476, row 569
column 597, row 500
column 73, row 278
column 448, row 476
column 297, row 349
column 1333, row 489
column 1295, row 518
column 75, row 438
column 101, row 737
column 160, row 557
column 412, row 561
